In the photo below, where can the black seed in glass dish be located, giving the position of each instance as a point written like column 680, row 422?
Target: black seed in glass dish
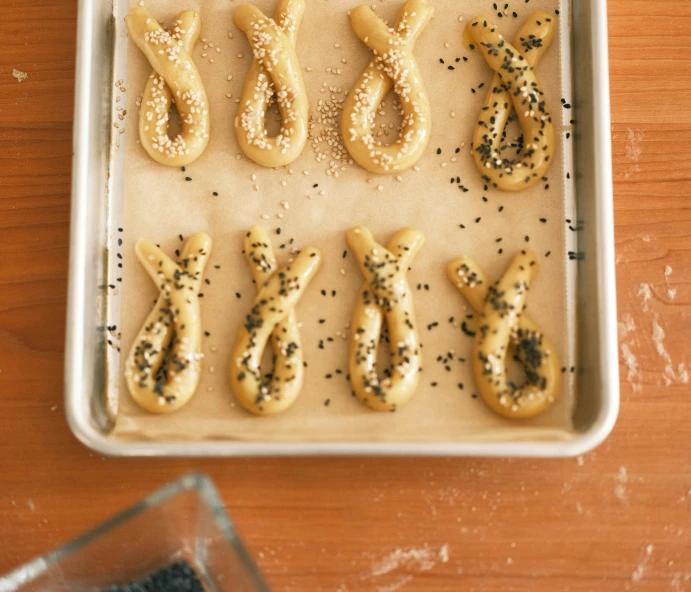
column 177, row 577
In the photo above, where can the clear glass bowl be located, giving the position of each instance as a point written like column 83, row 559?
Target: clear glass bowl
column 185, row 519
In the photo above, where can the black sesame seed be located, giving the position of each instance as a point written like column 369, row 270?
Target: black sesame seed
column 188, row 178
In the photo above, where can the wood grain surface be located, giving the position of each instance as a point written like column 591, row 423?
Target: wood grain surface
column 617, row 519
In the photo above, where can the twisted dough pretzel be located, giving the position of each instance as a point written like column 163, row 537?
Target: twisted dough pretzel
column 385, row 295
column 164, row 365
column 275, row 72
column 175, row 79
column 272, row 316
column 505, row 328
column 393, row 65
column 514, row 87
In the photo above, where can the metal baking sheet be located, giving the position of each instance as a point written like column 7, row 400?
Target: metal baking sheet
column 92, row 360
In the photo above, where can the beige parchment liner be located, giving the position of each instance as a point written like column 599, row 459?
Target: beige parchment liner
column 160, row 204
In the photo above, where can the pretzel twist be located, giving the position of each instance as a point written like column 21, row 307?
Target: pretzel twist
column 504, row 328
column 174, row 79
column 514, row 88
column 393, row 66
column 163, row 368
column 272, row 316
column 385, row 296
column 274, row 75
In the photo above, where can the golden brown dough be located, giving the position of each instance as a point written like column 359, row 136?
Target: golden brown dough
column 504, row 329
column 274, row 75
column 163, row 367
column 175, row 79
column 272, row 316
column 393, row 65
column 385, row 296
column 514, row 88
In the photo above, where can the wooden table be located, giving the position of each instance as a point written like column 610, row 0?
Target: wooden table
column 617, row 519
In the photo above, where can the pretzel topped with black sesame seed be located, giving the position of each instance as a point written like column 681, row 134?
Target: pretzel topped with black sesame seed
column 514, row 88
column 175, row 79
column 393, row 66
column 272, row 316
column 274, row 75
column 504, row 329
column 385, row 296
column 163, row 368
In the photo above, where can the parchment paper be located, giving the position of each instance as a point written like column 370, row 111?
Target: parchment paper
column 160, row 204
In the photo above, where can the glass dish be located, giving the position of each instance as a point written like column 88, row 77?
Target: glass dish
column 185, row 520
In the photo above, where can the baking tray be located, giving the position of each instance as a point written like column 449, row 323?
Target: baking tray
column 92, row 368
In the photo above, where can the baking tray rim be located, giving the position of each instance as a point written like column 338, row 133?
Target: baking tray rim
column 77, row 412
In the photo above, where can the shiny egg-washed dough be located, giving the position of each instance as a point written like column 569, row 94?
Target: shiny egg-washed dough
column 164, row 364
column 504, row 329
column 175, row 79
column 384, row 297
column 274, row 75
column 271, row 316
column 514, row 88
column 393, row 66
column 159, row 204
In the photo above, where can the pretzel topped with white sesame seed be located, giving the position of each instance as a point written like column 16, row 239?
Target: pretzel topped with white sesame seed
column 504, row 328
column 393, row 66
column 175, row 79
column 272, row 316
column 164, row 365
column 385, row 295
column 514, row 88
column 274, row 75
